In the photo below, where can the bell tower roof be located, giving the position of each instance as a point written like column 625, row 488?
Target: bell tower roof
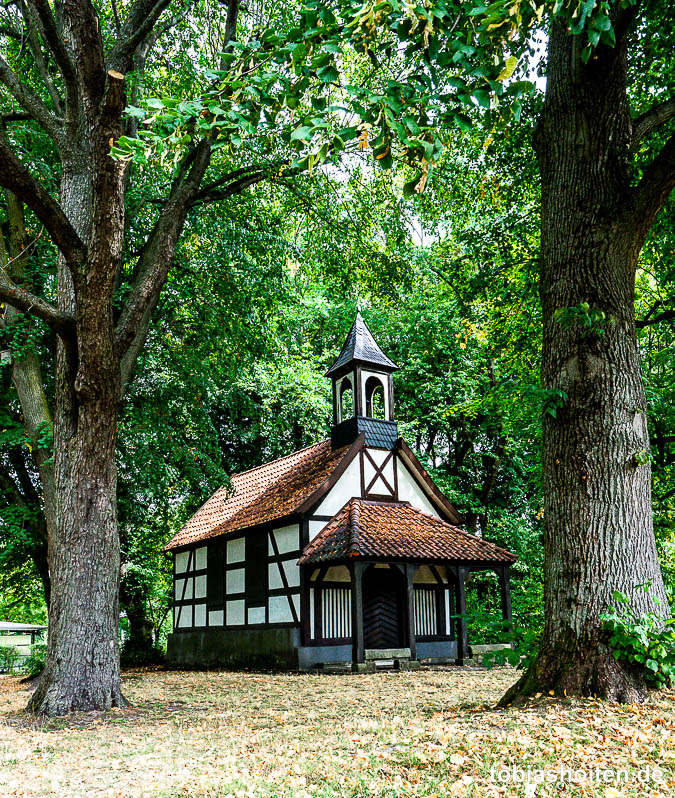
column 363, row 391
column 361, row 347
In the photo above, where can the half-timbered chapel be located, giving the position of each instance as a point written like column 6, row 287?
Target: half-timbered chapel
column 345, row 551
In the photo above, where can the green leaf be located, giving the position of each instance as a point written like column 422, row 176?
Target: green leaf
column 462, row 121
column 302, row 133
column 328, row 74
column 409, row 188
column 509, row 68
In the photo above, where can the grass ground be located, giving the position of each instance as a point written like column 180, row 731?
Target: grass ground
column 431, row 733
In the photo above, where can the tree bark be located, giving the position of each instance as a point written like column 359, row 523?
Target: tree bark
column 96, row 351
column 596, row 476
column 82, row 670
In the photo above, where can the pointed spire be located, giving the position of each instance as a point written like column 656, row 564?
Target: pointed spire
column 360, row 346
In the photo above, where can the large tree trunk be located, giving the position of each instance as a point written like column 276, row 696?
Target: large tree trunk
column 82, row 670
column 96, row 352
column 597, row 492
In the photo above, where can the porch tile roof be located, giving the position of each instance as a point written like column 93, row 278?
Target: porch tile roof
column 263, row 494
column 397, row 531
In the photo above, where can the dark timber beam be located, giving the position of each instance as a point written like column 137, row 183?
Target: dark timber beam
column 410, row 609
column 358, row 649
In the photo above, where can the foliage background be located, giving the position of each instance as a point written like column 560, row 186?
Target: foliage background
column 265, row 288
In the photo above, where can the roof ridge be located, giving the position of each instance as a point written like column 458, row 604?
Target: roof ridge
column 354, row 529
column 457, row 529
column 277, row 460
column 397, row 531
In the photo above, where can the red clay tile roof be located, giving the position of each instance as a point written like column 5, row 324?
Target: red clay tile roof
column 396, row 530
column 261, row 494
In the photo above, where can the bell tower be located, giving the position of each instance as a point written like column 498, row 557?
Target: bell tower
column 363, row 391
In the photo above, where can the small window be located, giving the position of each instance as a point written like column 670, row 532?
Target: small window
column 346, row 399
column 256, row 568
column 375, row 407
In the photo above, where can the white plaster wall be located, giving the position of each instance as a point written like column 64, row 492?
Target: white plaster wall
column 216, row 618
column 280, row 610
column 256, row 615
column 236, row 550
column 379, row 488
column 315, row 527
column 234, row 612
column 442, row 572
column 287, row 539
column 185, row 618
column 200, row 586
column 200, row 558
column 338, row 573
column 200, row 615
column 348, row 486
column 389, row 472
column 423, row 575
column 188, row 589
column 182, row 561
column 368, row 471
column 447, row 612
column 409, row 490
column 275, row 580
column 291, row 570
column 235, row 581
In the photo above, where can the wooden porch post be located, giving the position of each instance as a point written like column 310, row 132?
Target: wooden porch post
column 410, row 609
column 358, row 651
column 460, row 609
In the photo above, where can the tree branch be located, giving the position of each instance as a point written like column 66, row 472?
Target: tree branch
column 652, row 191
column 234, row 182
column 15, row 177
column 62, row 323
column 651, row 120
column 667, row 315
column 30, row 102
column 19, row 116
column 157, row 254
column 52, row 38
column 35, row 31
column 13, row 33
column 139, row 22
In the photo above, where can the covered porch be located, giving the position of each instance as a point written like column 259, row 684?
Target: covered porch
column 385, row 580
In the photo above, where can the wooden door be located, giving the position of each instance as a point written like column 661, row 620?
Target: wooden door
column 383, row 608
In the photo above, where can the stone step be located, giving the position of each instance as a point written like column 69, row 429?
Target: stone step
column 386, row 653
